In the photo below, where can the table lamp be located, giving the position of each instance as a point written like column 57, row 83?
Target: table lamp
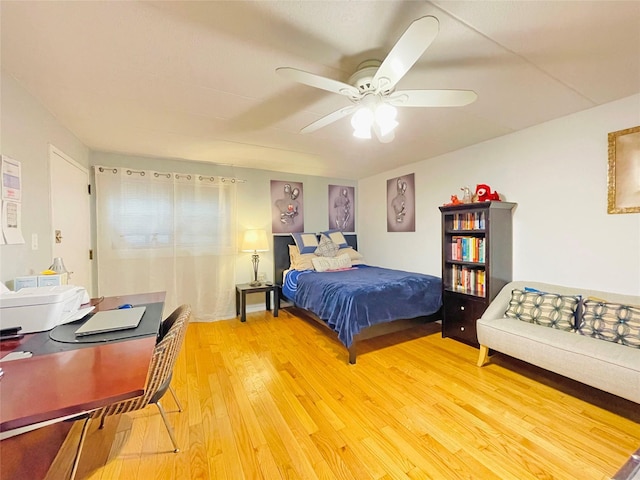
column 255, row 241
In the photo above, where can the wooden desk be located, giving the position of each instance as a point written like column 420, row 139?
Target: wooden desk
column 46, row 387
column 50, row 387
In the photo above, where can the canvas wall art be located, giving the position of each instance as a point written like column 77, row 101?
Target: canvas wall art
column 342, row 208
column 287, row 207
column 401, row 200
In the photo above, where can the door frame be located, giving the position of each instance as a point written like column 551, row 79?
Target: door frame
column 54, row 150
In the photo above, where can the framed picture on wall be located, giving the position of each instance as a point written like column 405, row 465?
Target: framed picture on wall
column 401, row 204
column 286, row 207
column 342, row 208
column 623, row 174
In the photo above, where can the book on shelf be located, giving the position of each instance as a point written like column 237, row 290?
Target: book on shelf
column 469, row 221
column 468, row 280
column 467, row 249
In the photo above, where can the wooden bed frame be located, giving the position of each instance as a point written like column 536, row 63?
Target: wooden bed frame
column 281, row 263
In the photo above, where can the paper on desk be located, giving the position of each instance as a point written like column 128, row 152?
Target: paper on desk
column 16, row 356
column 77, row 315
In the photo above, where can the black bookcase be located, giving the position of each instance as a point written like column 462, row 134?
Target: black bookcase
column 476, row 263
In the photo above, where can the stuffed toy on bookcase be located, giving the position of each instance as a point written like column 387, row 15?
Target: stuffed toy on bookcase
column 484, row 193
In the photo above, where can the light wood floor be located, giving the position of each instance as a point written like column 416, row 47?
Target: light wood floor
column 275, row 398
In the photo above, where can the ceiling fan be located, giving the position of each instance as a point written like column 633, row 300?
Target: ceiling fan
column 372, row 88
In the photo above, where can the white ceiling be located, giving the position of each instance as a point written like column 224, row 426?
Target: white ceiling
column 197, row 81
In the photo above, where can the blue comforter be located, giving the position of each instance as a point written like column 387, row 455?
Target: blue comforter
column 354, row 299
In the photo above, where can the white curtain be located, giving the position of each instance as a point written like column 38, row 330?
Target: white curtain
column 159, row 231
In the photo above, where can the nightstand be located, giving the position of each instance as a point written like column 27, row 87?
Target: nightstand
column 241, row 298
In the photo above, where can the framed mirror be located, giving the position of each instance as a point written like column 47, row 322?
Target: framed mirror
column 623, row 177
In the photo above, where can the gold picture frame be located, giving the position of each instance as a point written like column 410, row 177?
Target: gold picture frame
column 623, row 175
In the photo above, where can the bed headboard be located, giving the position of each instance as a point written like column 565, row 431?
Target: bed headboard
column 281, row 253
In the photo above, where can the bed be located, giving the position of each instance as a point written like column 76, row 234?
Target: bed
column 361, row 302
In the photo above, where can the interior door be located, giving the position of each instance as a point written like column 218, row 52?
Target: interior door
column 70, row 217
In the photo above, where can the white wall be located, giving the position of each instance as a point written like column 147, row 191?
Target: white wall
column 557, row 174
column 27, row 129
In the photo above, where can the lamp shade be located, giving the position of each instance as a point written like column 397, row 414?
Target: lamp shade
column 255, row 241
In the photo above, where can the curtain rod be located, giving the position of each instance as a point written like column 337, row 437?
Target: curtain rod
column 188, row 176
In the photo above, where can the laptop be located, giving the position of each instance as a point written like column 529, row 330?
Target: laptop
column 111, row 321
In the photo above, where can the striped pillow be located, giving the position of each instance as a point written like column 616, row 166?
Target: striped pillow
column 613, row 322
column 547, row 309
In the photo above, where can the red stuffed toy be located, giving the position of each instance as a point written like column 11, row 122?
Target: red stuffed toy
column 484, row 193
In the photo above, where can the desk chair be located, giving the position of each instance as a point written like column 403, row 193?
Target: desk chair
column 165, row 326
column 163, row 360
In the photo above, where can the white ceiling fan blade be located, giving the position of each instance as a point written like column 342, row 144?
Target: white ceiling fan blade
column 432, row 98
column 327, row 119
column 317, row 81
column 409, row 47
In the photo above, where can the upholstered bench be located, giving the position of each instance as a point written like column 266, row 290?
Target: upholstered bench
column 531, row 321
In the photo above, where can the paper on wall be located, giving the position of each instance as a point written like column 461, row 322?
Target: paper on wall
column 12, row 222
column 11, row 171
column 11, row 179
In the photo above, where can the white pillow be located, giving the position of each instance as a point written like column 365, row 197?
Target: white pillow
column 300, row 261
column 353, row 253
column 355, row 256
column 326, row 247
column 323, row 264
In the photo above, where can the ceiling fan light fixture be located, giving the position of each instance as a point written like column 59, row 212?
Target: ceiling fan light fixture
column 386, row 118
column 362, row 119
column 364, row 133
column 385, row 113
column 387, row 127
column 378, row 115
column 387, row 137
